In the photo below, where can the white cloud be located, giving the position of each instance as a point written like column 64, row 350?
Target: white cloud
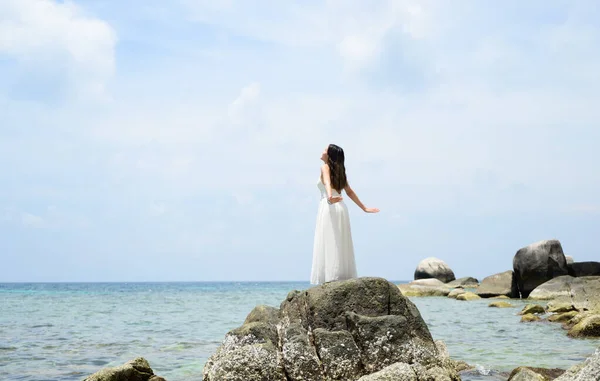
column 590, row 209
column 355, row 29
column 59, row 37
column 32, row 221
column 247, row 98
column 50, row 218
column 157, row 209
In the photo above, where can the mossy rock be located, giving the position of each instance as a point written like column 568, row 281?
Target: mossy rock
column 527, row 373
column 500, row 304
column 263, row 314
column 560, row 307
column 577, row 318
column 587, row 327
column 528, row 318
column 532, row 309
column 134, row 370
column 563, row 317
column 454, row 293
column 468, row 296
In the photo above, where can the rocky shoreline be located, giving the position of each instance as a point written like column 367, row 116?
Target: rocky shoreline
column 367, row 329
column 541, row 273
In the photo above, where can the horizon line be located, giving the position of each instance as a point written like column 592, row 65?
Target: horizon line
column 172, row 281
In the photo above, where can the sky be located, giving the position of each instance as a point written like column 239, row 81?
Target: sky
column 145, row 140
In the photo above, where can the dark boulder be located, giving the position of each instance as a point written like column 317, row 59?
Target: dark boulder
column 526, row 373
column 434, row 268
column 538, row 263
column 466, row 282
column 578, row 269
column 134, row 370
column 497, row 285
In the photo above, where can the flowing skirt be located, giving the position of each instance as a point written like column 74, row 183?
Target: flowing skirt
column 333, row 251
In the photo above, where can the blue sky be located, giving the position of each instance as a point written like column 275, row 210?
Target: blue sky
column 146, row 141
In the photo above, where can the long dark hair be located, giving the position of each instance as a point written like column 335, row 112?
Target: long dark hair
column 337, row 169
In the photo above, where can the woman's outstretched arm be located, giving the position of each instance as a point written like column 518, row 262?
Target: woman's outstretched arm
column 350, row 192
column 327, row 181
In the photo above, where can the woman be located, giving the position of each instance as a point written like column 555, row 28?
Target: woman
column 333, row 251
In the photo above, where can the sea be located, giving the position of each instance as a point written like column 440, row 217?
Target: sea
column 66, row 331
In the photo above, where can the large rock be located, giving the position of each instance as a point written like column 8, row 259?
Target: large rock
column 454, row 293
column 586, row 371
column 562, row 317
column 496, row 285
column 340, row 330
column 526, row 373
column 434, row 268
column 466, row 282
column 425, row 287
column 538, row 263
column 467, row 296
column 500, row 304
column 532, row 309
column 569, row 259
column 527, row 318
column 557, row 287
column 560, row 307
column 578, row 269
column 415, row 290
column 588, row 327
column 134, row 370
column 582, row 293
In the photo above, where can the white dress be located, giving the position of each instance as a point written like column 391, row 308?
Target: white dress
column 333, row 251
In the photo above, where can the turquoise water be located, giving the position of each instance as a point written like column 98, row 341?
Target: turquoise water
column 67, row 331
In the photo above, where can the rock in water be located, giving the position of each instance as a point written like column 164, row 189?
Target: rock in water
column 466, row 282
column 340, row 330
column 532, row 309
column 538, row 263
column 525, row 373
column 425, row 287
column 500, row 304
column 496, row 285
column 135, row 370
column 430, row 282
column 468, row 296
column 527, row 318
column 563, row 316
column 588, row 327
column 434, row 268
column 579, row 269
column 454, row 293
column 582, row 293
column 560, row 307
column 587, row 371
